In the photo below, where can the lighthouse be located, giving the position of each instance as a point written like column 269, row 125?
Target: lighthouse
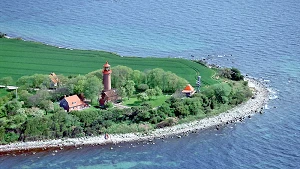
column 106, row 77
column 108, row 94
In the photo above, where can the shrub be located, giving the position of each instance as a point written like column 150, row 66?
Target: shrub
column 236, row 74
column 142, row 87
column 167, row 122
column 2, row 112
column 109, row 105
column 11, row 137
column 35, row 112
column 11, row 107
column 233, row 74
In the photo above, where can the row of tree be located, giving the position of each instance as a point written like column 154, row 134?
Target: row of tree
column 165, row 80
column 126, row 80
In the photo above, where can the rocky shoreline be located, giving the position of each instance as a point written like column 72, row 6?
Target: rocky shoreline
column 238, row 113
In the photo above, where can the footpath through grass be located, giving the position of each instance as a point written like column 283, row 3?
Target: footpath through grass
column 19, row 58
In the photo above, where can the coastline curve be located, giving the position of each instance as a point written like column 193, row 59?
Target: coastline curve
column 253, row 105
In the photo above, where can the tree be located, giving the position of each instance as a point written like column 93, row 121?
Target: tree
column 79, row 86
column 24, row 95
column 142, row 87
column 195, row 106
column 3, row 112
column 11, row 137
column 62, row 80
column 34, row 112
column 92, row 87
column 57, row 94
column 225, row 72
column 129, row 87
column 11, row 107
column 122, row 92
column 76, row 85
column 236, row 74
column 47, row 105
column 98, row 73
column 39, row 80
column 180, row 109
column 36, row 128
column 35, row 100
column 221, row 92
column 158, row 91
column 150, row 93
column 155, row 77
column 167, row 81
column 25, row 81
column 142, row 96
column 138, row 77
column 120, row 75
column 19, row 119
column 233, row 74
column 2, row 134
column 174, row 82
column 165, row 109
column 64, row 124
column 6, row 98
column 6, row 81
column 86, row 117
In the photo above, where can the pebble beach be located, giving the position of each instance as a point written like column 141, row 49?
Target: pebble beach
column 239, row 113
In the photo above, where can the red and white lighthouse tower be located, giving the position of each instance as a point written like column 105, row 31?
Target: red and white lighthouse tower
column 106, row 77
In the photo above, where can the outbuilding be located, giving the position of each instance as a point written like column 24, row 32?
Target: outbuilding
column 188, row 90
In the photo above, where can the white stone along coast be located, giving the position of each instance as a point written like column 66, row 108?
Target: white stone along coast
column 238, row 113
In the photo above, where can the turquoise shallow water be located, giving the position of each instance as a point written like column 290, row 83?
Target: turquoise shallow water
column 259, row 37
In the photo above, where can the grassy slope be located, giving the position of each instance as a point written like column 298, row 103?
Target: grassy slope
column 19, row 58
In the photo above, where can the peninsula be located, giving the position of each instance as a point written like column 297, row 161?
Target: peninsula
column 34, row 120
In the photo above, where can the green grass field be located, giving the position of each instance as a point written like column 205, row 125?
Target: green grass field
column 155, row 101
column 19, row 58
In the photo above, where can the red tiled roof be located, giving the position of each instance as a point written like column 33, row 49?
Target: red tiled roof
column 74, row 101
column 53, row 78
column 188, row 88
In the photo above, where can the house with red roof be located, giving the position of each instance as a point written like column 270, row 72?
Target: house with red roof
column 188, row 90
column 72, row 103
column 53, row 80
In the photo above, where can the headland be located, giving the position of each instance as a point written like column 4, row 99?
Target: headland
column 246, row 109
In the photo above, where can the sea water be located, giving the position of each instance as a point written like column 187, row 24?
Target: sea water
column 261, row 38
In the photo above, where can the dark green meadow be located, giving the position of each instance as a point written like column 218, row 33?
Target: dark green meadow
column 19, row 58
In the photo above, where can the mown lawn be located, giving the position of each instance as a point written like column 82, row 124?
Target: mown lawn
column 19, row 58
column 155, row 101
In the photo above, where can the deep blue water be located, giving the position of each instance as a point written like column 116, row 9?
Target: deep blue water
column 260, row 37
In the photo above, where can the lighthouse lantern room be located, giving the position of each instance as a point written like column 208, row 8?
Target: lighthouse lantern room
column 106, row 76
